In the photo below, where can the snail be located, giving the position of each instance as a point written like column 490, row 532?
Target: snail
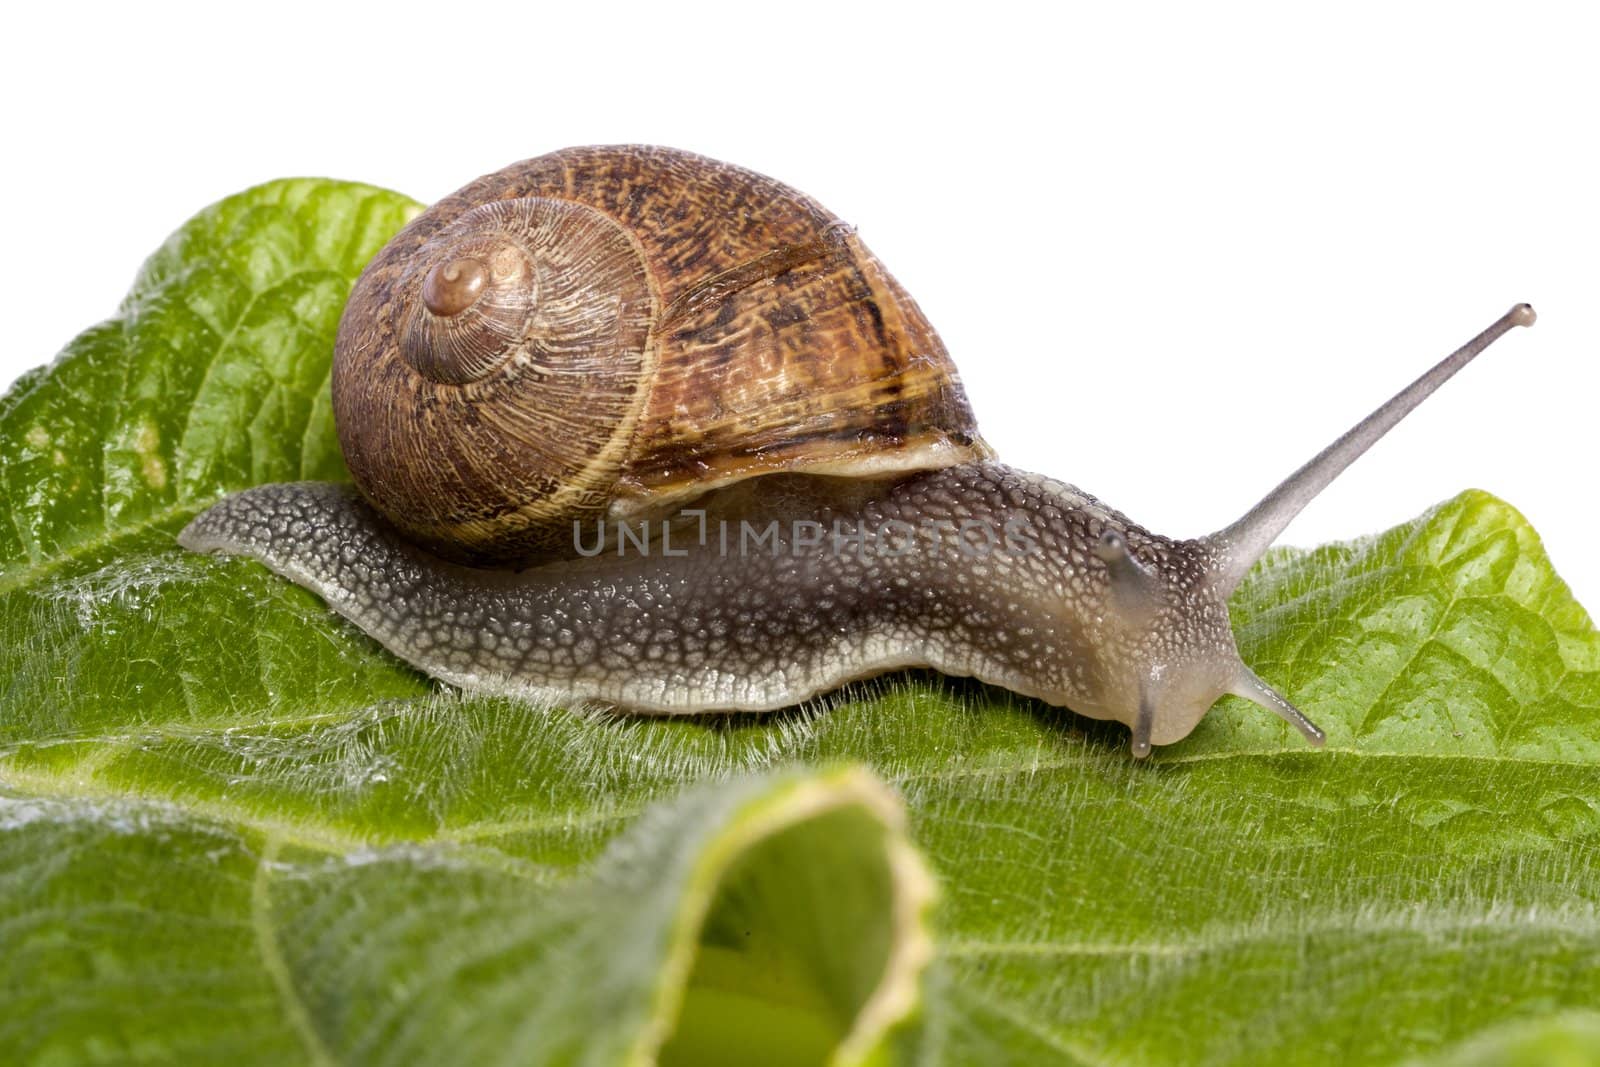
column 631, row 426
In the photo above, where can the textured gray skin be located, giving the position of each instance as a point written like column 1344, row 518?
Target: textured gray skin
column 1033, row 607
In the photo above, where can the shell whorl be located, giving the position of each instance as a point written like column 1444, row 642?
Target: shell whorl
column 477, row 295
column 479, row 431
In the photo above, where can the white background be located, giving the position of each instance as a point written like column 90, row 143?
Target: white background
column 1174, row 250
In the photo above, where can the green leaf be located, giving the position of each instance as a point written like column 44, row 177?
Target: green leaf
column 213, row 376
column 792, row 904
column 232, row 827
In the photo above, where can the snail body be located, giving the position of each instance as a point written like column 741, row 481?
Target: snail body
column 861, row 526
column 785, row 591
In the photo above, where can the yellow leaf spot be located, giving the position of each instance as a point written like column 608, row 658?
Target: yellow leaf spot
column 147, row 443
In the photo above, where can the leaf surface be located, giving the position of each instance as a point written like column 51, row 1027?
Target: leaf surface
column 233, row 828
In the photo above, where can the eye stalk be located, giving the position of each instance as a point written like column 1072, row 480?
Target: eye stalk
column 1244, row 542
column 1165, row 710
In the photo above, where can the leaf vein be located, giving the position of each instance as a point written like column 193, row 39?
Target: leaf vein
column 276, row 966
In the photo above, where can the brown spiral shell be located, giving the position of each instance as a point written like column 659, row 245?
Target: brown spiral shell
column 612, row 331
